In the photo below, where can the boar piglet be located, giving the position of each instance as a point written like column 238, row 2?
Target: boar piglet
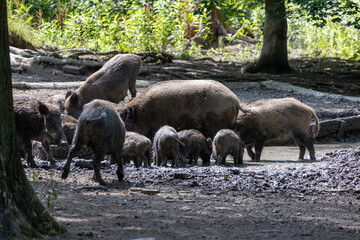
column 137, row 147
column 35, row 120
column 226, row 142
column 166, row 146
column 195, row 145
column 277, row 119
column 100, row 128
column 110, row 83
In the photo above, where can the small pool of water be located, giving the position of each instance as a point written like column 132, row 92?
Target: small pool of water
column 291, row 153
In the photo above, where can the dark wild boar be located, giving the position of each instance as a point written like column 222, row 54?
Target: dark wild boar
column 166, row 146
column 110, row 83
column 195, row 145
column 204, row 105
column 35, row 120
column 137, row 147
column 226, row 142
column 100, row 128
column 277, row 119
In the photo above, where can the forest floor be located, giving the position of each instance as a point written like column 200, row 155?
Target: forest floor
column 268, row 200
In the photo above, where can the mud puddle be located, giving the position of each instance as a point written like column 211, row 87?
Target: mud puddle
column 291, row 153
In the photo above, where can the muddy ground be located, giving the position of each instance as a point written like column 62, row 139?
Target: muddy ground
column 267, row 200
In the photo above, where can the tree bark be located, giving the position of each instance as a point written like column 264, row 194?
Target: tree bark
column 21, row 213
column 273, row 57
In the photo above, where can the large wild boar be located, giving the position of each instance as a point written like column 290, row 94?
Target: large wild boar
column 226, row 142
column 110, row 83
column 204, row 105
column 166, row 146
column 35, row 120
column 100, row 128
column 277, row 119
column 195, row 145
column 137, row 147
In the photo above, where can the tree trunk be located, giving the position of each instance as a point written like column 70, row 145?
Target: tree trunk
column 218, row 28
column 273, row 57
column 21, row 213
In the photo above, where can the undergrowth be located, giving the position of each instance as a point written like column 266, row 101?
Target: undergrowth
column 164, row 26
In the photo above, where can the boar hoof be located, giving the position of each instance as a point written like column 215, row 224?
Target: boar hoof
column 120, row 176
column 102, row 182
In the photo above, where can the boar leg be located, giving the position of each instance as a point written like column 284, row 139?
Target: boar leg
column 196, row 157
column 119, row 160
column 132, row 88
column 96, row 162
column 46, row 145
column 236, row 156
column 250, row 152
column 163, row 160
column 72, row 153
column 302, row 149
column 258, row 149
column 147, row 158
column 220, row 159
column 28, row 149
column 175, row 161
column 305, row 140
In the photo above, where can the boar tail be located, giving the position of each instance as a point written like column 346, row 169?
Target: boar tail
column 316, row 129
column 180, row 142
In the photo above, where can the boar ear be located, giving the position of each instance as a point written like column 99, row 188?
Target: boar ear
column 42, row 108
column 74, row 99
column 69, row 93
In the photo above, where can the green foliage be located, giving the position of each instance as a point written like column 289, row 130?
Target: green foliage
column 52, row 195
column 315, row 28
column 35, row 178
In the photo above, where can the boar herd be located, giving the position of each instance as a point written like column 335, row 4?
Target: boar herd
column 170, row 120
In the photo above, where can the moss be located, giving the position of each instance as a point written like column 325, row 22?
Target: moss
column 29, row 231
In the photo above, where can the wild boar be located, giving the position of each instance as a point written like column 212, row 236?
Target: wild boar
column 57, row 100
column 166, row 146
column 277, row 119
column 35, row 120
column 195, row 145
column 137, row 147
column 226, row 142
column 100, row 128
column 110, row 83
column 204, row 105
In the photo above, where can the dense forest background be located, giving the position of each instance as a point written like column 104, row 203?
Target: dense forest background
column 186, row 28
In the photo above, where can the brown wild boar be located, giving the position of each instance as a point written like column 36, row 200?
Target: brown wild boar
column 277, row 119
column 204, row 105
column 100, row 128
column 110, row 83
column 35, row 120
column 137, row 147
column 226, row 142
column 166, row 146
column 195, row 145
